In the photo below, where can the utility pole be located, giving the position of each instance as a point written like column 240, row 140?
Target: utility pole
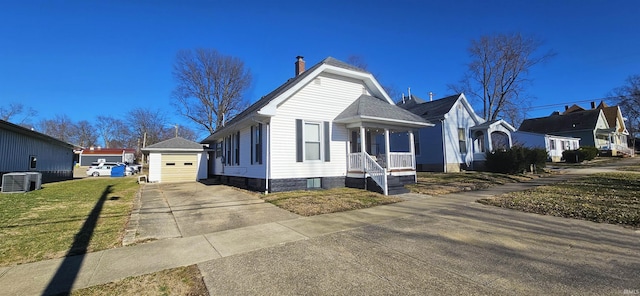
column 176, row 130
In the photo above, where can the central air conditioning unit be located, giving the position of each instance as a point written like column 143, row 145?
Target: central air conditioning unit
column 21, row 182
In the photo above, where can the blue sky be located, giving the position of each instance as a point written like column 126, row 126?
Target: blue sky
column 87, row 58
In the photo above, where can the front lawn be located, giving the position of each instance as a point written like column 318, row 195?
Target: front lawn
column 88, row 214
column 316, row 202
column 608, row 197
column 177, row 281
column 444, row 183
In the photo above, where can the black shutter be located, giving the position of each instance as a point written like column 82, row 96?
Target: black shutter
column 259, row 148
column 238, row 148
column 251, row 147
column 327, row 141
column 299, row 140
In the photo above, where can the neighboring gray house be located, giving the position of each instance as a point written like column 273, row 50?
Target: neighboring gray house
column 97, row 154
column 176, row 160
column 24, row 150
column 460, row 138
column 317, row 130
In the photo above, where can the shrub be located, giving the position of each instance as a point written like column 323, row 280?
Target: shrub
column 580, row 155
column 589, row 152
column 573, row 156
column 516, row 160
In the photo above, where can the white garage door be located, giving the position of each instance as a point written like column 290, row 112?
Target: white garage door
column 179, row 167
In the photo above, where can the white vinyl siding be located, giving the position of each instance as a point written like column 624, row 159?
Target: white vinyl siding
column 313, row 103
column 244, row 168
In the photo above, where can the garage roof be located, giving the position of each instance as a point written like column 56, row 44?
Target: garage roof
column 175, row 144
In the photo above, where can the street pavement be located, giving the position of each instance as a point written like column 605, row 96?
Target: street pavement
column 426, row 245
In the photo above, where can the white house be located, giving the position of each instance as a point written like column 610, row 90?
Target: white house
column 314, row 131
column 554, row 145
column 460, row 138
column 176, row 160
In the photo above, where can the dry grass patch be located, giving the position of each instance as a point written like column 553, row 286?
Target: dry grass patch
column 444, row 183
column 610, row 198
column 177, row 281
column 43, row 224
column 316, row 202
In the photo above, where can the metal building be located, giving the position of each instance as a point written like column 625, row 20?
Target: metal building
column 24, row 150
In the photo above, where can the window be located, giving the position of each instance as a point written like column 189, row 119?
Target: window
column 171, row 163
column 313, row 183
column 552, row 144
column 33, row 162
column 311, row 141
column 188, row 163
column 219, row 149
column 462, row 140
column 256, row 144
column 416, row 142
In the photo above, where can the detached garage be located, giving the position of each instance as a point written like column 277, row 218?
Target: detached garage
column 176, row 160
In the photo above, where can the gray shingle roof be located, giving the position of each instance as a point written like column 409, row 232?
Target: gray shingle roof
column 578, row 120
column 374, row 107
column 283, row 88
column 432, row 110
column 175, row 144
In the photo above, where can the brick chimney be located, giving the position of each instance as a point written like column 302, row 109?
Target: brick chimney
column 593, row 105
column 299, row 65
column 566, row 107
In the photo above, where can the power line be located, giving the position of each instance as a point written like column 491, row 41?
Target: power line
column 568, row 103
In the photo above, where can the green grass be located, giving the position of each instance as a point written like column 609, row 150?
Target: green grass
column 177, row 281
column 44, row 224
column 316, row 202
column 444, row 183
column 608, row 197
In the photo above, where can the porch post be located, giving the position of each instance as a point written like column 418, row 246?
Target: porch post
column 363, row 146
column 387, row 149
column 412, row 150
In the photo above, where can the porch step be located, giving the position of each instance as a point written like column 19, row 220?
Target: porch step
column 395, row 186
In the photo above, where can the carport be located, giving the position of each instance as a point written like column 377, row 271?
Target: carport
column 176, row 160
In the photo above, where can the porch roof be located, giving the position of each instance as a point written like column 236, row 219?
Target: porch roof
column 490, row 124
column 374, row 110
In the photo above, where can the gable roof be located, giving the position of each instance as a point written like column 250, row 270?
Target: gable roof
column 259, row 108
column 175, row 144
column 574, row 121
column 613, row 116
column 368, row 107
column 5, row 125
column 573, row 108
column 437, row 109
column 489, row 124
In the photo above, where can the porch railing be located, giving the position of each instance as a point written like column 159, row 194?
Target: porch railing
column 397, row 161
column 377, row 173
column 401, row 160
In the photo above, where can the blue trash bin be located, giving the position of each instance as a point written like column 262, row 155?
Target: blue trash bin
column 118, row 171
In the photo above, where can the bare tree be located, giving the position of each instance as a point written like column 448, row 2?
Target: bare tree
column 107, row 126
column 10, row 112
column 149, row 125
column 60, row 127
column 210, row 87
column 85, row 134
column 628, row 98
column 498, row 72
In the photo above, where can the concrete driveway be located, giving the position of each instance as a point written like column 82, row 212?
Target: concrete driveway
column 173, row 210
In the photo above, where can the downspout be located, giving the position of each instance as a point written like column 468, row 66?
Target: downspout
column 444, row 146
column 266, row 159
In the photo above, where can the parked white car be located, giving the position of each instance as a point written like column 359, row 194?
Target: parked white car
column 101, row 169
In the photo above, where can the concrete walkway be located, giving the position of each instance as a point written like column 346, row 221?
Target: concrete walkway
column 426, row 245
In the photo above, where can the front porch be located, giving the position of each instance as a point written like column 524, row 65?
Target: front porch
column 371, row 158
